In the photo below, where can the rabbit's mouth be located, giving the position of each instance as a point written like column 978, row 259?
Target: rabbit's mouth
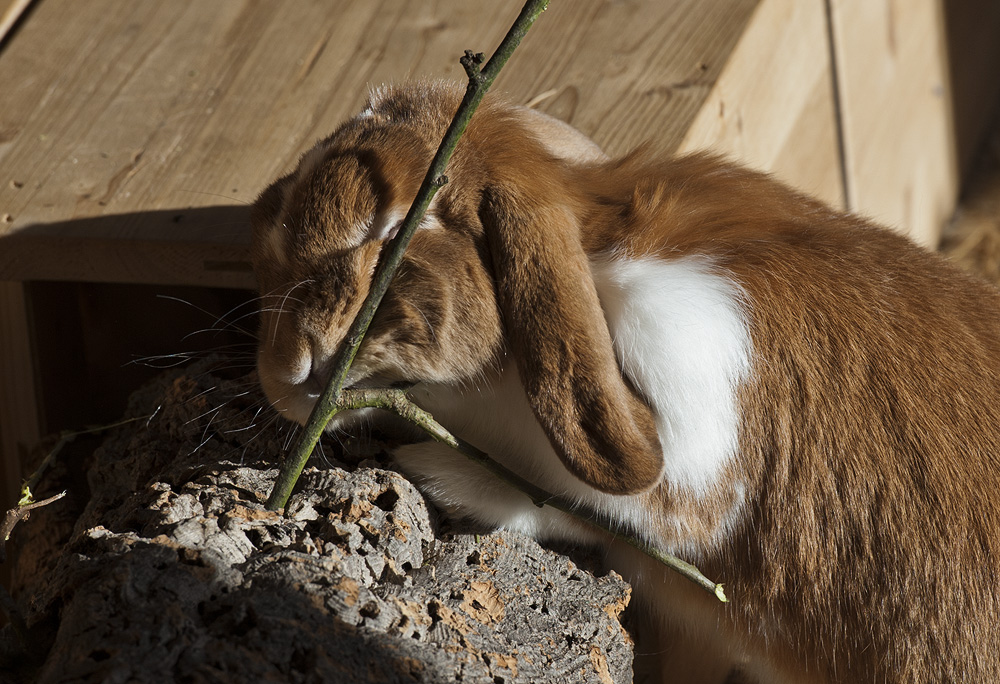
column 294, row 394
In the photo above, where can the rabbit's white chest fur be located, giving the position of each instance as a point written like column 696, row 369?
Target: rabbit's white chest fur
column 680, row 335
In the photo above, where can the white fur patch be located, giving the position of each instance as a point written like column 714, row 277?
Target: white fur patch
column 681, row 335
column 376, row 94
column 386, row 223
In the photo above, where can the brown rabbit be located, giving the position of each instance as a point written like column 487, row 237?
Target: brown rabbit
column 803, row 404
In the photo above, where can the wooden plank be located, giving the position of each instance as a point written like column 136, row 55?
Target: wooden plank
column 900, row 159
column 115, row 110
column 772, row 108
column 629, row 73
column 83, row 249
column 19, row 425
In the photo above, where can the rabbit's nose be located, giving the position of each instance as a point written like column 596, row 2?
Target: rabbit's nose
column 319, row 363
column 317, row 380
column 314, row 384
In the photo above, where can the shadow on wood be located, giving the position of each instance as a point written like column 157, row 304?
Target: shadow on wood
column 184, row 246
column 971, row 28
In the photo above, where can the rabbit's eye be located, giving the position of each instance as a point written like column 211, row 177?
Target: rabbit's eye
column 385, row 224
column 392, row 231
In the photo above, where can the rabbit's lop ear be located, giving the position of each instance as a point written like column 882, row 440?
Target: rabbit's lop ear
column 555, row 329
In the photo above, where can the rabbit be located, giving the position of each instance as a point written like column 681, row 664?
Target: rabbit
column 800, row 402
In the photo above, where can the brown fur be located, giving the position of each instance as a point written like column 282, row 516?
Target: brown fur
column 870, row 439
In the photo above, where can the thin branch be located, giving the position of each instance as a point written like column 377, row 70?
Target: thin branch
column 396, row 401
column 16, row 515
column 64, row 438
column 392, row 256
column 7, row 604
column 26, row 504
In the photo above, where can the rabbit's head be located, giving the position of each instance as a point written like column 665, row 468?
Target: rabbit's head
column 496, row 273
